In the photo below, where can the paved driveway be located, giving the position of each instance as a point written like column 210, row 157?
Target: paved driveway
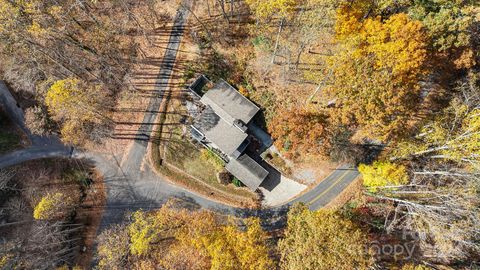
column 284, row 191
column 278, row 189
column 139, row 148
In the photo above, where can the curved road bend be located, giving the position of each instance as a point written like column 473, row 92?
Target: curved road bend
column 129, row 188
column 146, row 190
column 329, row 188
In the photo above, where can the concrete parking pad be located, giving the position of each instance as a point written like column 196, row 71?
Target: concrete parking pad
column 284, row 190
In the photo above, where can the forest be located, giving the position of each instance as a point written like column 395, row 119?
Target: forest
column 390, row 86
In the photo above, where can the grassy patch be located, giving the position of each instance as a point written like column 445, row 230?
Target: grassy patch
column 183, row 162
column 201, row 163
column 212, row 158
column 184, row 155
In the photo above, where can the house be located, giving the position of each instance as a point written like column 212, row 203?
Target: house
column 222, row 126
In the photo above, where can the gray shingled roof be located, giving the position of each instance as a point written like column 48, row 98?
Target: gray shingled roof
column 225, row 136
column 247, row 170
column 229, row 104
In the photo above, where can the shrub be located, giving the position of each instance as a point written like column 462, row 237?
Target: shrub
column 38, row 121
column 237, row 182
column 224, row 177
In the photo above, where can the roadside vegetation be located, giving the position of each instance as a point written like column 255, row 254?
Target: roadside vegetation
column 179, row 236
column 50, row 210
column 10, row 135
column 390, row 85
column 395, row 82
column 176, row 238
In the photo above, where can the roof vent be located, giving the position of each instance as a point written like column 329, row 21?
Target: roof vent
column 239, row 124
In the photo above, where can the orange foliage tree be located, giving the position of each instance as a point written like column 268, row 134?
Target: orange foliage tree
column 300, row 131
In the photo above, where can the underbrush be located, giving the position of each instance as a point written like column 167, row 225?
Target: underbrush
column 9, row 136
column 44, row 206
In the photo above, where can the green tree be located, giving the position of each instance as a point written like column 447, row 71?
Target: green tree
column 448, row 22
column 322, row 240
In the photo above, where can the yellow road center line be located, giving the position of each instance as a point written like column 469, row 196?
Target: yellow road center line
column 329, row 188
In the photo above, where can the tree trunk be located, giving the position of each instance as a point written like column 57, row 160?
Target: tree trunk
column 222, row 7
column 278, row 40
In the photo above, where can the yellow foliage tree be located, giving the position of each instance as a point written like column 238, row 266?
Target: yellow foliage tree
column 348, row 17
column 415, row 267
column 228, row 247
column 453, row 135
column 9, row 14
column 113, row 248
column 78, row 107
column 267, row 8
column 321, row 240
column 149, row 229
column 52, row 205
column 175, row 238
column 67, row 99
column 376, row 73
column 5, row 259
column 381, row 174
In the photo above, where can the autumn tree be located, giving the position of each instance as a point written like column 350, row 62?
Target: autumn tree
column 439, row 201
column 411, row 266
column 383, row 174
column 321, row 240
column 376, row 73
column 180, row 239
column 52, row 206
column 113, row 248
column 147, row 230
column 450, row 25
column 61, row 39
column 228, row 247
column 80, row 109
column 301, row 131
column 267, row 9
column 274, row 9
column 452, row 135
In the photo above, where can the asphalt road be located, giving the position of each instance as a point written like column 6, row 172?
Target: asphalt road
column 329, row 188
column 139, row 148
column 129, row 188
column 32, row 153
